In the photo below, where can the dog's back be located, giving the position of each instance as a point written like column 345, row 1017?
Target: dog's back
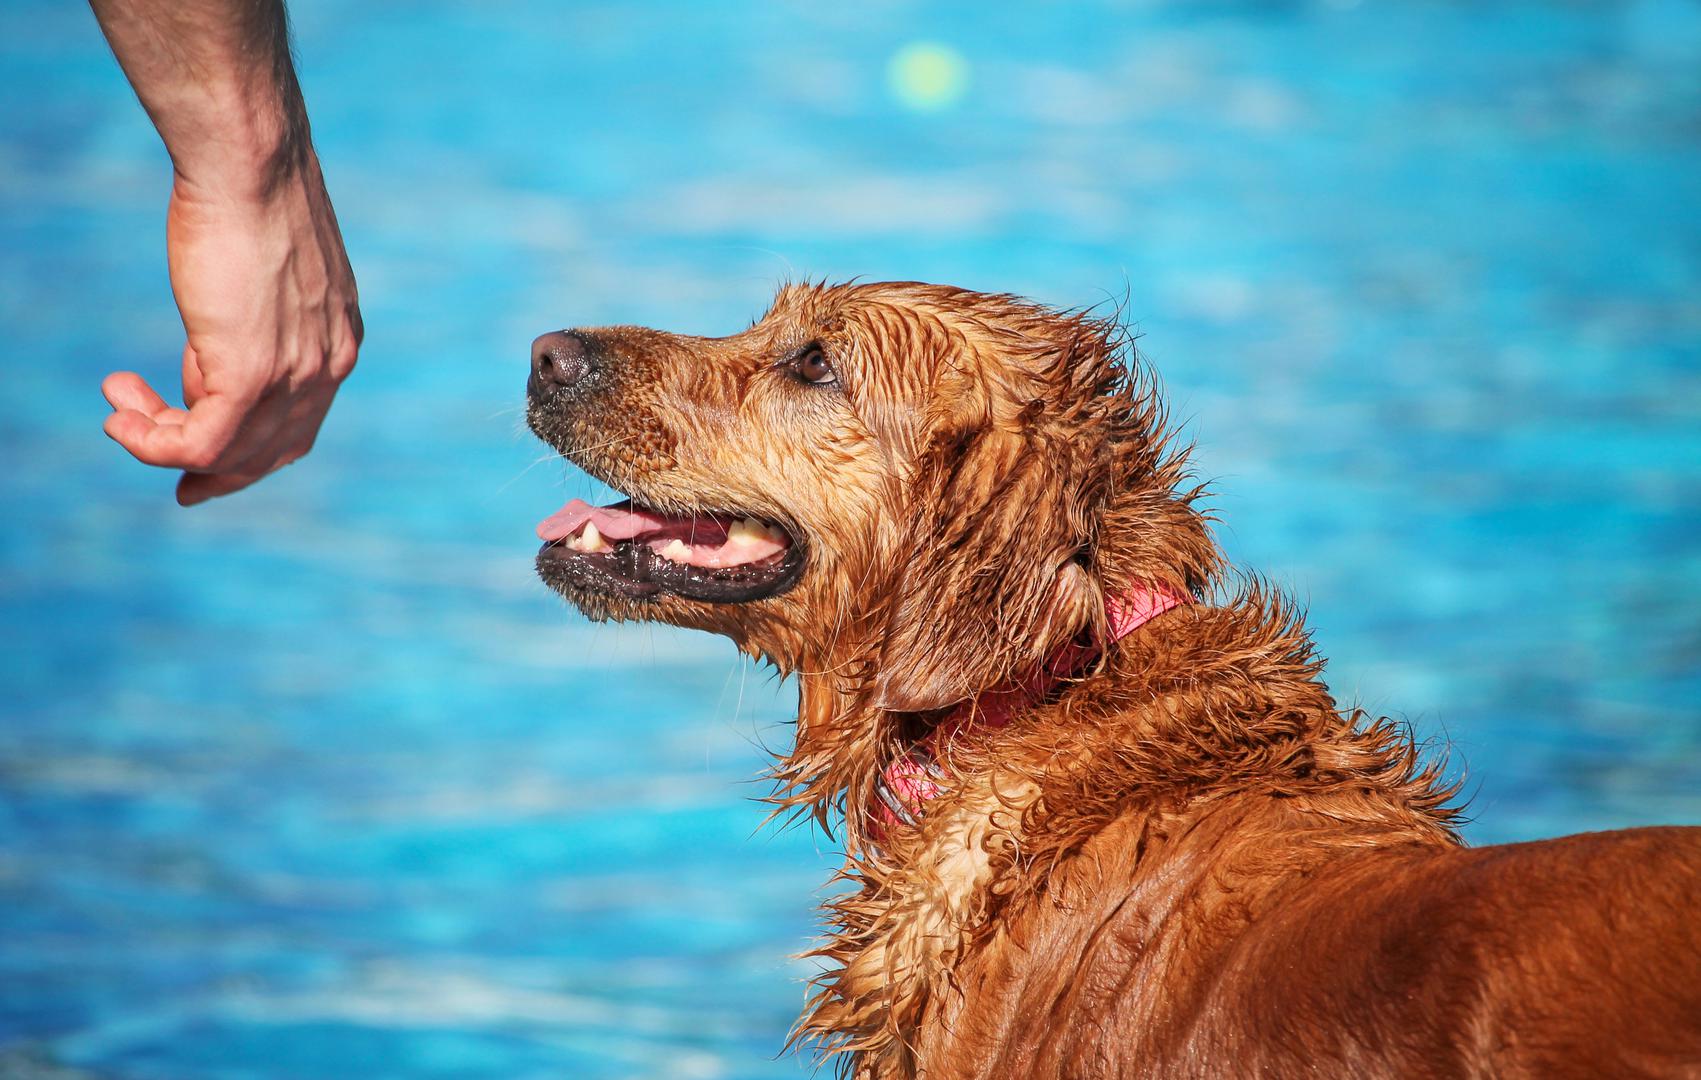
column 1264, row 938
column 1575, row 957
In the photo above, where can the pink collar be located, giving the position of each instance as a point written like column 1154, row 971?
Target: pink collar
column 907, row 783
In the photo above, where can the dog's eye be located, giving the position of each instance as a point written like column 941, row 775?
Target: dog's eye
column 812, row 366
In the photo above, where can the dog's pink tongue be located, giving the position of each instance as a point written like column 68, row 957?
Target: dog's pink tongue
column 618, row 522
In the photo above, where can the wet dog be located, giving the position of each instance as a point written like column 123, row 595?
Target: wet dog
column 1102, row 815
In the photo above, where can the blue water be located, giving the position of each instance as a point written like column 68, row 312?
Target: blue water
column 318, row 782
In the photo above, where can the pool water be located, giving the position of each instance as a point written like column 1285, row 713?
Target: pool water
column 319, row 782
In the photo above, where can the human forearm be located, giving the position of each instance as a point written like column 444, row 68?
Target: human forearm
column 270, row 313
column 216, row 79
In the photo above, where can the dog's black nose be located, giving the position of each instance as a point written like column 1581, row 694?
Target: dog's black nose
column 559, row 359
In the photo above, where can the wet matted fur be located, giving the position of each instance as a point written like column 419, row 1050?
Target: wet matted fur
column 1186, row 861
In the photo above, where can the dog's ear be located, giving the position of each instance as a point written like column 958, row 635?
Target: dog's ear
column 994, row 578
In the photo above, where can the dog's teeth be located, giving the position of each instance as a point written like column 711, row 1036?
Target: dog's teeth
column 675, row 551
column 751, row 529
column 590, row 541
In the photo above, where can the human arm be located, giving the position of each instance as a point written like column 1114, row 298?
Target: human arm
column 257, row 265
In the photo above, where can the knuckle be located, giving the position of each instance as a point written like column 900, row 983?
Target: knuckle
column 342, row 360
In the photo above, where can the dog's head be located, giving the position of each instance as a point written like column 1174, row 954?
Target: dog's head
column 910, row 492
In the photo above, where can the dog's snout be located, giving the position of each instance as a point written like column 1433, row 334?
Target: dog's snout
column 560, row 359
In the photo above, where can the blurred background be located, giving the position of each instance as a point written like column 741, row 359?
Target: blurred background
column 319, row 782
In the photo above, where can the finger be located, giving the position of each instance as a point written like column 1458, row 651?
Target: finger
column 195, row 488
column 197, row 443
column 275, row 425
column 293, row 437
column 128, row 390
column 268, row 456
column 129, row 428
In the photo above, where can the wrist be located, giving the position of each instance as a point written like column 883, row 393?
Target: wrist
column 249, row 147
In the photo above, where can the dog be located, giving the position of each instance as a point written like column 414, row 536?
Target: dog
column 1101, row 815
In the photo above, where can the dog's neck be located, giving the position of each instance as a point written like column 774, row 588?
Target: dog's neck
column 925, row 878
column 909, row 782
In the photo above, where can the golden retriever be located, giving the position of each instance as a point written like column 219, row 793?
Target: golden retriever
column 1101, row 815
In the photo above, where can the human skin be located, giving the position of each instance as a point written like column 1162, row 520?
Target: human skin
column 270, row 312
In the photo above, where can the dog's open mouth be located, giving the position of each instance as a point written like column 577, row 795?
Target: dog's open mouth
column 636, row 552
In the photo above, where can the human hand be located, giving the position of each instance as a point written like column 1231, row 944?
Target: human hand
column 273, row 326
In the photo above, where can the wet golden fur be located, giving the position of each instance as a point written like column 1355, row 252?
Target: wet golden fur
column 1189, row 862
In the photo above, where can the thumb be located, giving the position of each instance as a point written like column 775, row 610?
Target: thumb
column 194, row 441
